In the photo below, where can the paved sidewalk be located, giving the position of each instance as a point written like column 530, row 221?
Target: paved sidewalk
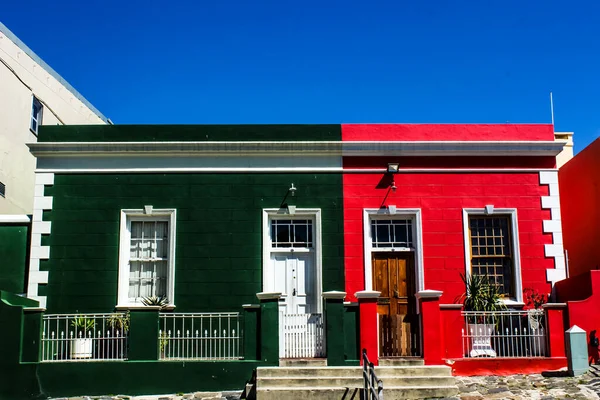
column 550, row 386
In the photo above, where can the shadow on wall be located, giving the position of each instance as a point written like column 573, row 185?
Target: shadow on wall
column 582, row 295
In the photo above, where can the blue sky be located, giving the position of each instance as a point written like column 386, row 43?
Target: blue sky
column 325, row 61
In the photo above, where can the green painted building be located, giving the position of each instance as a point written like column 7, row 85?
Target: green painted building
column 230, row 225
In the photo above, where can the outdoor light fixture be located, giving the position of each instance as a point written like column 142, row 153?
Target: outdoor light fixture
column 292, row 190
column 393, row 186
column 393, row 168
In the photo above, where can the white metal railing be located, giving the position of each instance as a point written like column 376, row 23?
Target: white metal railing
column 303, row 335
column 200, row 336
column 85, row 337
column 509, row 334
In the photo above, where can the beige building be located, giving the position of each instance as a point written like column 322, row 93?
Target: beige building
column 567, row 153
column 31, row 94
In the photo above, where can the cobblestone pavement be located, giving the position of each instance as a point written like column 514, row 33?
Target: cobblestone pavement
column 548, row 386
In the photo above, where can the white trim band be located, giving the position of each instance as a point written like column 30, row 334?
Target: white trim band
column 304, row 148
column 14, row 219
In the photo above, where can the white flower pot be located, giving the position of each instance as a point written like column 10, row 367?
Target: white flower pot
column 481, row 340
column 81, row 348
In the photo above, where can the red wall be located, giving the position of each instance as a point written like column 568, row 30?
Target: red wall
column 459, row 132
column 579, row 183
column 583, row 311
column 441, row 198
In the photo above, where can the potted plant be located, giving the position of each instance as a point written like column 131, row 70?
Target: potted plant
column 535, row 319
column 82, row 342
column 159, row 301
column 119, row 328
column 483, row 298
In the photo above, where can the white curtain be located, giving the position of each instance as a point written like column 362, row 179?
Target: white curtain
column 149, row 252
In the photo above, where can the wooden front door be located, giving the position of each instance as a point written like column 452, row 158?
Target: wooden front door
column 393, row 276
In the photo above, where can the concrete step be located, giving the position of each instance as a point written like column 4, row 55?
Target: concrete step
column 302, row 362
column 291, row 372
column 335, row 393
column 400, row 362
column 354, row 382
column 416, row 370
column 386, row 371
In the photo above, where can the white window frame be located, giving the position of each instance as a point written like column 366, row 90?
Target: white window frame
column 300, row 213
column 37, row 118
column 413, row 214
column 128, row 215
column 512, row 213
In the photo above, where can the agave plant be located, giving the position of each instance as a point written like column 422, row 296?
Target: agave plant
column 481, row 295
column 159, row 301
column 82, row 324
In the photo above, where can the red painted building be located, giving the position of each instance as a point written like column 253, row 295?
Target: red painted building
column 474, row 199
column 580, row 195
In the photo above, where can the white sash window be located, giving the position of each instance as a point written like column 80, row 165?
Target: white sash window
column 147, row 255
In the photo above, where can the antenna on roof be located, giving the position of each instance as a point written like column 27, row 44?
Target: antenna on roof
column 552, row 108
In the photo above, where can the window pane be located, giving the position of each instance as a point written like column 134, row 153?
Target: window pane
column 283, row 236
column 134, row 279
column 301, row 234
column 162, row 240
column 161, row 279
column 383, row 234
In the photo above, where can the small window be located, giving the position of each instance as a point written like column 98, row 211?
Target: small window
column 36, row 115
column 2, row 189
column 491, row 250
column 147, row 263
column 391, row 233
column 292, row 233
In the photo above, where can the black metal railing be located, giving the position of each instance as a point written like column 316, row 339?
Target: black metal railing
column 373, row 387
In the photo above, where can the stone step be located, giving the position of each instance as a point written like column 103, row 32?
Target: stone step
column 400, row 362
column 335, row 393
column 417, row 370
column 302, row 362
column 354, row 382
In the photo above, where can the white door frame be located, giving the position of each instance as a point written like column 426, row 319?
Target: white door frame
column 300, row 213
column 401, row 213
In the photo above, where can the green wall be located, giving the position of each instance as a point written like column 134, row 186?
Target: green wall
column 127, row 133
column 13, row 257
column 218, row 242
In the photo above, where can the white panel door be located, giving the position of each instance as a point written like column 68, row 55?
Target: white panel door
column 294, row 279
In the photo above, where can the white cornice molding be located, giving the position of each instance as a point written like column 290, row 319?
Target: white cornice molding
column 14, row 219
column 303, row 148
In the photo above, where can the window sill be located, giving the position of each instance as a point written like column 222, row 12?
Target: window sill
column 513, row 303
column 170, row 307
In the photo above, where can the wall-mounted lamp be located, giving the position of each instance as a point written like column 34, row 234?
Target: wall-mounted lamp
column 393, row 168
column 393, row 185
column 292, row 190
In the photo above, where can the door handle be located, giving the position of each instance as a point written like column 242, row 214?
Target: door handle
column 294, row 292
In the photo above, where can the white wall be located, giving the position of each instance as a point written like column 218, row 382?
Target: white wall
column 61, row 106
